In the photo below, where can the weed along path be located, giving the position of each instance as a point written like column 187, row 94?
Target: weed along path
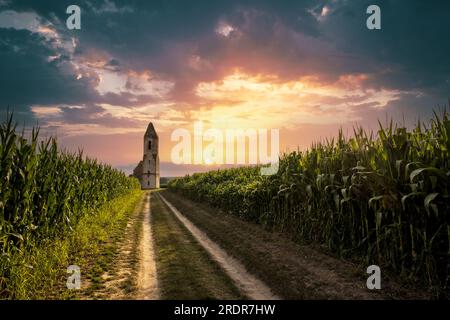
column 249, row 285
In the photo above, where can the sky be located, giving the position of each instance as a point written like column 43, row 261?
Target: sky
column 305, row 68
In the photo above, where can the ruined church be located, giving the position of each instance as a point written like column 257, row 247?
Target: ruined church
column 147, row 171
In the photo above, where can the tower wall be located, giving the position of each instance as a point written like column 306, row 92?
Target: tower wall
column 150, row 164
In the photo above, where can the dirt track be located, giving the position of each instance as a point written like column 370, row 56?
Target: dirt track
column 291, row 270
column 250, row 286
column 132, row 275
column 147, row 281
column 174, row 248
column 185, row 270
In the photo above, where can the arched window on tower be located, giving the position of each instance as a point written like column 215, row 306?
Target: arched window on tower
column 149, row 145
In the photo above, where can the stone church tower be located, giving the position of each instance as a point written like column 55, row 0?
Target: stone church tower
column 147, row 170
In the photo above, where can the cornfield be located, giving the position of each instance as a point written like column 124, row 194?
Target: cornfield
column 382, row 198
column 44, row 191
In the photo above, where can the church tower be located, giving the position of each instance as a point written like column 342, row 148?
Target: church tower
column 150, row 162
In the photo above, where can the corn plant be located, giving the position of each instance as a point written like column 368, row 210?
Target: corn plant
column 382, row 197
column 44, row 191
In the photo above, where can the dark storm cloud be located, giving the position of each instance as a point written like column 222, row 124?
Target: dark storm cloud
column 286, row 38
column 158, row 35
column 164, row 37
column 28, row 77
column 412, row 48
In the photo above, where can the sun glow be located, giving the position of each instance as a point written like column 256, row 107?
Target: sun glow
column 243, row 100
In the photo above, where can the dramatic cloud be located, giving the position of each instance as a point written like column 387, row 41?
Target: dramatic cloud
column 307, row 67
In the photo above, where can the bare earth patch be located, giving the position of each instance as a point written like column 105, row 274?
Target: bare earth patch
column 147, row 282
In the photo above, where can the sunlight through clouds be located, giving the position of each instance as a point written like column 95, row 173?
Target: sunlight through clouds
column 307, row 68
column 268, row 101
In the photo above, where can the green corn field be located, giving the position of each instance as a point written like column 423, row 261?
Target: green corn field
column 45, row 191
column 382, row 198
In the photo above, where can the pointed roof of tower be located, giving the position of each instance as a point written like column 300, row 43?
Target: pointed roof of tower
column 151, row 132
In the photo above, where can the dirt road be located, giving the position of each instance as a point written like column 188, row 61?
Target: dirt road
column 147, row 280
column 185, row 269
column 174, row 248
column 292, row 271
column 132, row 274
column 250, row 286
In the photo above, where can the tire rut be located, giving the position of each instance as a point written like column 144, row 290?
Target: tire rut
column 251, row 286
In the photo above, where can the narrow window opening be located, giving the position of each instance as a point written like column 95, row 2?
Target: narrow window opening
column 149, row 145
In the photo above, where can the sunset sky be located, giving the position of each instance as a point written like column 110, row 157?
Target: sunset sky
column 303, row 67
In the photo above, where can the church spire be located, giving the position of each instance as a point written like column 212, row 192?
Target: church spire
column 151, row 132
column 147, row 170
